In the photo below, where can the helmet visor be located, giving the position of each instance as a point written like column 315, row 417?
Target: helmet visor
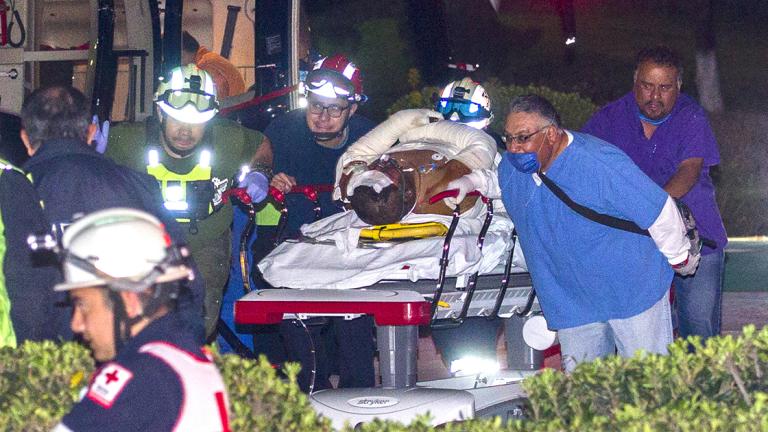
column 467, row 111
column 178, row 99
column 330, row 84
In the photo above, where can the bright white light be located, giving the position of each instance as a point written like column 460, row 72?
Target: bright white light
column 474, row 365
column 244, row 170
column 174, row 193
column 571, row 40
column 303, row 102
column 176, row 205
column 154, row 158
column 205, row 159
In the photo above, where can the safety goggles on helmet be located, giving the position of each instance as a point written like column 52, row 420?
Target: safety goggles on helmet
column 330, row 84
column 188, row 96
column 467, row 111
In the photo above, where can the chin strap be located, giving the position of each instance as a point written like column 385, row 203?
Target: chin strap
column 122, row 325
column 344, row 130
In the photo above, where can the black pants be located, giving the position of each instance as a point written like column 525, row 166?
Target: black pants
column 352, row 341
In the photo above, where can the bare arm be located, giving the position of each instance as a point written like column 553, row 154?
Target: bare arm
column 263, row 155
column 686, row 176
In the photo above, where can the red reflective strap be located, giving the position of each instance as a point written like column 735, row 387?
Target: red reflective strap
column 3, row 23
column 277, row 194
column 222, row 405
column 451, row 193
column 240, row 193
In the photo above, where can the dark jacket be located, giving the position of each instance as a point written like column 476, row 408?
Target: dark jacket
column 142, row 391
column 28, row 281
column 72, row 180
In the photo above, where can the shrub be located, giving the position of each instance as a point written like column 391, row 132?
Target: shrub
column 39, row 382
column 574, row 109
column 721, row 387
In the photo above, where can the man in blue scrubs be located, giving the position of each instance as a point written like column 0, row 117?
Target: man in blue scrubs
column 602, row 288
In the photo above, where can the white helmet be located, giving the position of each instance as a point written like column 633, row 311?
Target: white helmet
column 189, row 95
column 466, row 101
column 121, row 249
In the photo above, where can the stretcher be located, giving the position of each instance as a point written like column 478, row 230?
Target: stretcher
column 398, row 308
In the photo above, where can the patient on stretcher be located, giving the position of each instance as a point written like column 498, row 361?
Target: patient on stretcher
column 388, row 177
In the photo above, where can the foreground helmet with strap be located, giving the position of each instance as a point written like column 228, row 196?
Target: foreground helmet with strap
column 188, row 95
column 124, row 249
column 336, row 77
column 465, row 101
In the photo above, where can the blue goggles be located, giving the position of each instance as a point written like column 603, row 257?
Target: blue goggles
column 466, row 110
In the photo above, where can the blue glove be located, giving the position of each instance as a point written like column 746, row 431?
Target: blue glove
column 101, row 136
column 257, row 186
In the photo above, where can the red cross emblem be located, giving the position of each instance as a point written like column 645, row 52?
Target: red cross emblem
column 111, row 376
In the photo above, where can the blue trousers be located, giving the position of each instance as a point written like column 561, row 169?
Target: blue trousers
column 698, row 298
column 234, row 289
column 650, row 330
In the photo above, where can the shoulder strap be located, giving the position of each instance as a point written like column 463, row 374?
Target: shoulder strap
column 611, row 221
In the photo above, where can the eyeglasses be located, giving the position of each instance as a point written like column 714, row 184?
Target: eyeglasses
column 521, row 139
column 334, row 111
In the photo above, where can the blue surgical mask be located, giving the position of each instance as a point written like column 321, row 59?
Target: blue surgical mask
column 526, row 163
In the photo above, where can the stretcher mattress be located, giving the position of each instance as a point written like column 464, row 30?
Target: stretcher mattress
column 330, row 256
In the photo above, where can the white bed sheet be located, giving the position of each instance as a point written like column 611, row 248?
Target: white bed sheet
column 338, row 262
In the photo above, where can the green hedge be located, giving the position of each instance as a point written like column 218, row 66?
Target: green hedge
column 574, row 109
column 722, row 387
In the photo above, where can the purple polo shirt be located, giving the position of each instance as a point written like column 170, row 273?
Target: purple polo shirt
column 686, row 134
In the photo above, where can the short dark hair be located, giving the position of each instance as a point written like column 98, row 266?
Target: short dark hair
column 661, row 55
column 189, row 43
column 55, row 112
column 535, row 104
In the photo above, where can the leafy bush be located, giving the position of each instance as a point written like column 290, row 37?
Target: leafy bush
column 722, row 387
column 39, row 382
column 574, row 109
column 260, row 401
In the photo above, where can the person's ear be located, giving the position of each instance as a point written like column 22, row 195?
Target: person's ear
column 27, row 143
column 551, row 133
column 352, row 109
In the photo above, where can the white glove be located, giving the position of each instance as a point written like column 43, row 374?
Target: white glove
column 689, row 266
column 464, row 185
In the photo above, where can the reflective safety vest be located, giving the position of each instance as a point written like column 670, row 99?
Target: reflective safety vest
column 7, row 334
column 205, row 406
column 192, row 196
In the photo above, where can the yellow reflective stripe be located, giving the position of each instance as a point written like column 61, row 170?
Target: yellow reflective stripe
column 164, row 175
column 160, row 172
column 7, row 334
column 268, row 216
column 404, row 230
